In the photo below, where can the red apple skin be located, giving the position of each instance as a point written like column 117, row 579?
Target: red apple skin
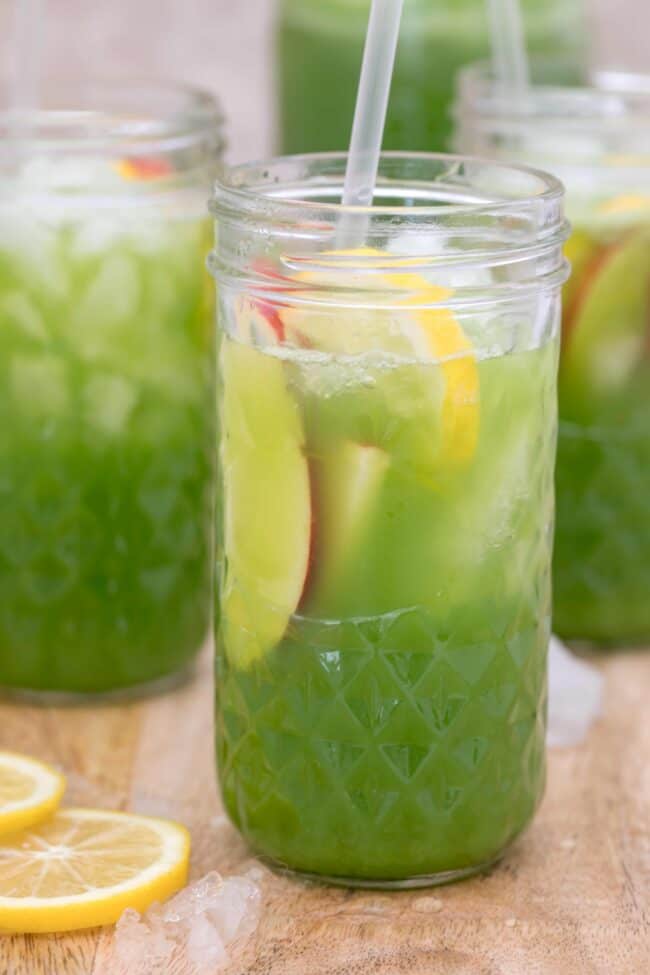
column 272, row 316
column 145, row 167
column 313, row 537
column 270, row 311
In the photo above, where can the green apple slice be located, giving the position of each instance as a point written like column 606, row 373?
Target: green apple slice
column 267, row 504
column 606, row 334
column 347, row 481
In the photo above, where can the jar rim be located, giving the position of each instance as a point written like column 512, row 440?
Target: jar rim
column 451, row 214
column 265, row 187
column 127, row 116
column 596, row 138
column 613, row 98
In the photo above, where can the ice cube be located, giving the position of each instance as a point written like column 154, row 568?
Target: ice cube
column 43, row 173
column 151, row 236
column 205, row 947
column 33, row 248
column 195, row 932
column 141, row 947
column 18, row 312
column 447, row 274
column 109, row 303
column 94, row 234
column 109, row 400
column 575, row 691
column 40, row 385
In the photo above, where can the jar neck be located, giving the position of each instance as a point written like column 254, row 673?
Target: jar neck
column 596, row 140
column 123, row 141
column 435, row 219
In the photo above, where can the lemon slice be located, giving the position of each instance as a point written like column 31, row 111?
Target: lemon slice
column 427, row 333
column 447, row 342
column 83, row 867
column 30, row 791
column 625, row 203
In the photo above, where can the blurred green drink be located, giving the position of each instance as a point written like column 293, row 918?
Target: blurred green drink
column 597, row 141
column 106, row 389
column 319, row 44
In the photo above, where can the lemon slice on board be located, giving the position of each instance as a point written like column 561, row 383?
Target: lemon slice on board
column 30, row 791
column 83, row 867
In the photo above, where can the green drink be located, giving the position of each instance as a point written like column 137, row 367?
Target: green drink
column 319, row 49
column 602, row 563
column 384, row 521
column 106, row 392
column 598, row 142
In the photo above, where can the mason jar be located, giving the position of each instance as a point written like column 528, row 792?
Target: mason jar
column 387, row 430
column 319, row 47
column 106, row 386
column 597, row 141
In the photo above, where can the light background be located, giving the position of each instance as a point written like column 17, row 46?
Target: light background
column 225, row 45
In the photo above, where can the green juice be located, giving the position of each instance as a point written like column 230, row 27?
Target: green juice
column 106, row 403
column 395, row 726
column 319, row 46
column 602, row 547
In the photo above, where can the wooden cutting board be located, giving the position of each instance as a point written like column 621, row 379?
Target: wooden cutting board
column 572, row 898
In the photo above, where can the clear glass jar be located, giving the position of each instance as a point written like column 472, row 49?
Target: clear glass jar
column 597, row 141
column 385, row 504
column 106, row 387
column 319, row 45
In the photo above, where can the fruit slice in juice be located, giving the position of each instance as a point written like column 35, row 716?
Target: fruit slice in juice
column 267, row 505
column 347, row 478
column 607, row 325
column 418, row 333
column 403, row 388
column 579, row 250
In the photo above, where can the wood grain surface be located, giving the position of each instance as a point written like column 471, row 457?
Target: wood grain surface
column 572, row 898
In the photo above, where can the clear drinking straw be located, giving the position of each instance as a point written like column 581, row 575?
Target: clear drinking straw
column 369, row 118
column 509, row 56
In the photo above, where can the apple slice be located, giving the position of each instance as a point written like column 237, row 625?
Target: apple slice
column 258, row 321
column 426, row 331
column 267, row 504
column 607, row 328
column 579, row 250
column 346, row 478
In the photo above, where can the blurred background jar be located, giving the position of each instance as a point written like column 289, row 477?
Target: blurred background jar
column 597, row 141
column 319, row 45
column 229, row 48
column 106, row 386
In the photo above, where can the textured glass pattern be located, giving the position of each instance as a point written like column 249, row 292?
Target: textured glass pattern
column 396, row 728
column 106, row 403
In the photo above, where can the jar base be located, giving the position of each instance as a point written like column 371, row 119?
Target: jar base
column 119, row 695
column 406, row 883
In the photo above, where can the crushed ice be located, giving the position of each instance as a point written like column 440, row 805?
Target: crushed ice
column 575, row 691
column 195, row 932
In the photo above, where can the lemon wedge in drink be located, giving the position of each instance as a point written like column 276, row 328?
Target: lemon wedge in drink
column 423, row 333
column 82, row 868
